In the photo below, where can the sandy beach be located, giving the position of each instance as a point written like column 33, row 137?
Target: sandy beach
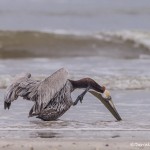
column 55, row 144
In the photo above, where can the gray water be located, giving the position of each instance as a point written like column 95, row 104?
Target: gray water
column 64, row 28
column 87, row 120
column 127, row 79
column 85, row 15
column 113, row 73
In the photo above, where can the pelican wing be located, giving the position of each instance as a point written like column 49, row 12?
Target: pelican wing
column 23, row 86
column 41, row 92
column 49, row 87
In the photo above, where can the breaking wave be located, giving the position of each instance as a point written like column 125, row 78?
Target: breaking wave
column 111, row 82
column 120, row 44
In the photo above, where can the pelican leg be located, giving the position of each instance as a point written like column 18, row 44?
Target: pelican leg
column 80, row 97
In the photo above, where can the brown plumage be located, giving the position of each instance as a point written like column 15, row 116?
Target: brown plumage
column 52, row 96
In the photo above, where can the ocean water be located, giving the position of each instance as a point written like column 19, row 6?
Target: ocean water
column 88, row 120
column 64, row 28
column 107, row 40
column 113, row 73
column 86, row 15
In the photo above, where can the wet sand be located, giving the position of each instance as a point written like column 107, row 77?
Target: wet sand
column 55, row 144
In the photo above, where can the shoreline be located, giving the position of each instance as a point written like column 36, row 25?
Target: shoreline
column 77, row 144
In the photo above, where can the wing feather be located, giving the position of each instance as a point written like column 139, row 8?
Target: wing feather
column 22, row 86
column 50, row 86
column 41, row 92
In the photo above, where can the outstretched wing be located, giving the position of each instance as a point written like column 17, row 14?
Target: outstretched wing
column 39, row 92
column 23, row 86
column 48, row 88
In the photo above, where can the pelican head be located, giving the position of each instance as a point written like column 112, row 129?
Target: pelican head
column 106, row 99
column 106, row 95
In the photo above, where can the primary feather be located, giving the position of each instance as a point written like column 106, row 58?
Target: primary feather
column 23, row 86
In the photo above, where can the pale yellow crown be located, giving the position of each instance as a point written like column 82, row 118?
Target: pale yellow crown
column 106, row 94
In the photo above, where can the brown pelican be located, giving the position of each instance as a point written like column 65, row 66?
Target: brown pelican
column 52, row 96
